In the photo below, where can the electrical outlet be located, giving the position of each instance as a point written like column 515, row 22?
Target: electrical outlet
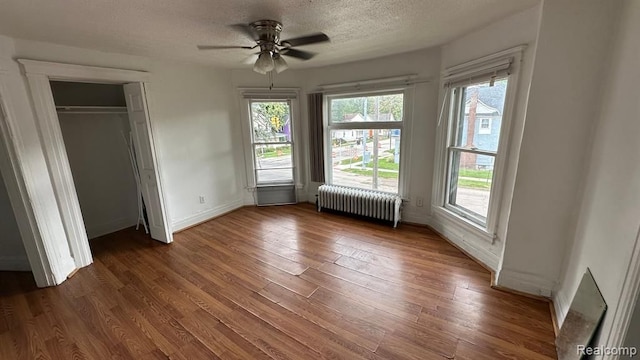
column 201, row 199
column 419, row 202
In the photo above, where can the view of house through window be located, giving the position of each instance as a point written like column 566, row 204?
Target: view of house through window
column 364, row 133
column 475, row 137
column 272, row 141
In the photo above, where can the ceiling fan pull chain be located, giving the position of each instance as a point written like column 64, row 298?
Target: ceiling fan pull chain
column 270, row 80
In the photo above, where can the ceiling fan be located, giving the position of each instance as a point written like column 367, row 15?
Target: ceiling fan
column 266, row 34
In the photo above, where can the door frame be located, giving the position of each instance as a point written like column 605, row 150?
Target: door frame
column 629, row 295
column 39, row 74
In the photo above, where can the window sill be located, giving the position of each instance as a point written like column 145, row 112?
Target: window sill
column 462, row 224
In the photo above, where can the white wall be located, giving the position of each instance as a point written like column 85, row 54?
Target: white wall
column 572, row 49
column 12, row 254
column 101, row 170
column 191, row 116
column 518, row 29
column 609, row 213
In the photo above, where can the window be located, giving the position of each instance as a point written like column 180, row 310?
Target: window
column 471, row 157
column 364, row 138
column 271, row 131
column 472, row 177
column 485, row 127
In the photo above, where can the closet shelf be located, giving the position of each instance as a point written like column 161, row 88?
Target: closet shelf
column 92, row 109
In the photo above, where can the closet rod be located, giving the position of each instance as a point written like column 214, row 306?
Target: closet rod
column 92, row 109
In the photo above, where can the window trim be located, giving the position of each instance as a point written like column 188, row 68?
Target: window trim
column 476, row 71
column 404, row 170
column 292, row 96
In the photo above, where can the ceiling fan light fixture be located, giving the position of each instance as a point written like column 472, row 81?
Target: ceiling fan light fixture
column 279, row 63
column 264, row 64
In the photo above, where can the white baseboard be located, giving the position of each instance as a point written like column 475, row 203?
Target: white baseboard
column 206, row 215
column 14, row 263
column 472, row 247
column 525, row 282
column 561, row 306
column 96, row 230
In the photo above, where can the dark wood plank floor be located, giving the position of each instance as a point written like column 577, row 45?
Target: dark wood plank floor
column 274, row 283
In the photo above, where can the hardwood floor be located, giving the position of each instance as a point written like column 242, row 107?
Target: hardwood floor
column 274, row 283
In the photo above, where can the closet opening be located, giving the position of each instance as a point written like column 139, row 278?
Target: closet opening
column 96, row 131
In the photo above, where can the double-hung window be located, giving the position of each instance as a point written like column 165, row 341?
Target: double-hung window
column 272, row 141
column 269, row 137
column 364, row 138
column 473, row 147
column 473, row 135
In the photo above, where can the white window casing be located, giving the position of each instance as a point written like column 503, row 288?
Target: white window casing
column 487, row 69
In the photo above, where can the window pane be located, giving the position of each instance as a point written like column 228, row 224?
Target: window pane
column 273, row 156
column 367, row 108
column 271, row 121
column 482, row 116
column 274, row 176
column 471, row 182
column 367, row 159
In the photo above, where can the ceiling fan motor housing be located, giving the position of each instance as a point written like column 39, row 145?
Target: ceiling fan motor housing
column 268, row 34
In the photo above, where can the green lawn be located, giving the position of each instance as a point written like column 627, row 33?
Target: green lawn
column 480, row 174
column 381, row 174
column 385, row 163
column 351, row 160
column 275, row 152
column 474, row 184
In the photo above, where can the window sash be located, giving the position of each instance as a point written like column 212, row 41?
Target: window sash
column 272, row 143
column 385, row 124
column 474, row 150
column 366, row 125
column 287, row 181
column 255, row 143
column 329, row 160
column 451, row 186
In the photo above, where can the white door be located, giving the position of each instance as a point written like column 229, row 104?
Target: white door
column 146, row 159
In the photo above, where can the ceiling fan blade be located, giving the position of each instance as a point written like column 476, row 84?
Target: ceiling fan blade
column 216, row 47
column 306, row 40
column 304, row 55
column 247, row 30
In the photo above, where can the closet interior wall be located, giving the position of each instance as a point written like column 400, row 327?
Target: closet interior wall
column 95, row 129
column 12, row 254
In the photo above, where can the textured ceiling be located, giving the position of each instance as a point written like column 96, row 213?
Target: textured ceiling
column 359, row 29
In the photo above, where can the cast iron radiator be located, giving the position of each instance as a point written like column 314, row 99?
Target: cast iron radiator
column 370, row 203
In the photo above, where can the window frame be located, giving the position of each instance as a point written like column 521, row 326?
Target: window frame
column 246, row 97
column 404, row 125
column 256, row 143
column 455, row 117
column 476, row 71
